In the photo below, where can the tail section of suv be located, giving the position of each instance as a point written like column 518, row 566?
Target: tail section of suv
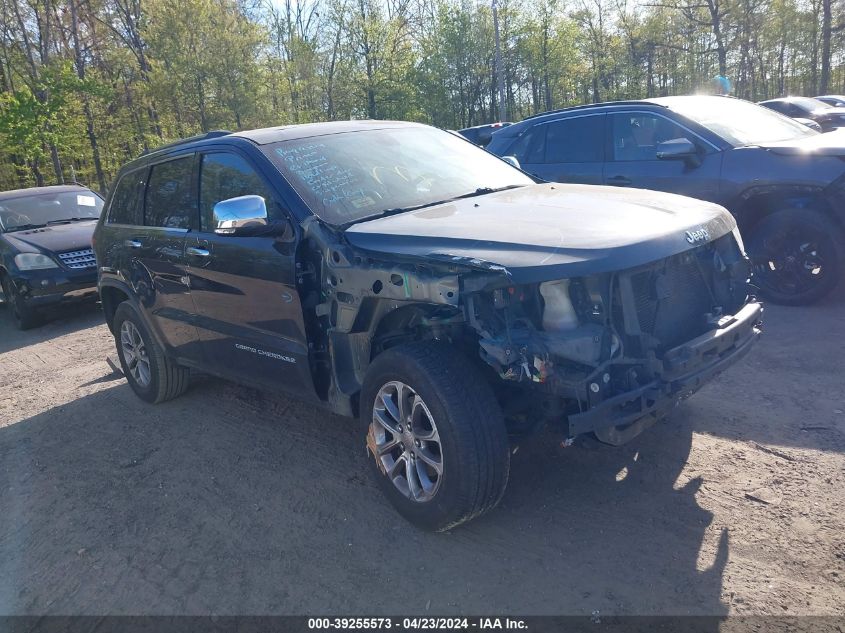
column 394, row 273
column 781, row 180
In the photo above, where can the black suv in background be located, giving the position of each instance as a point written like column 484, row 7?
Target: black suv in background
column 784, row 183
column 397, row 273
column 837, row 101
column 481, row 134
column 46, row 259
column 827, row 116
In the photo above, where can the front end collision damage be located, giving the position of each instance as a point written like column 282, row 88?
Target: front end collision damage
column 611, row 363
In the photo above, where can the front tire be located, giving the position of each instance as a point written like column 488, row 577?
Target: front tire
column 151, row 375
column 797, row 256
column 436, row 435
column 24, row 316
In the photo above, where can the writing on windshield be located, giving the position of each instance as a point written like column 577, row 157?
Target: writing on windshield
column 348, row 176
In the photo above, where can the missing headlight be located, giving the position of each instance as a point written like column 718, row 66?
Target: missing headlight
column 559, row 314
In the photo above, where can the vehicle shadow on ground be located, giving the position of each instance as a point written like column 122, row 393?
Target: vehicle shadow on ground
column 66, row 320
column 227, row 501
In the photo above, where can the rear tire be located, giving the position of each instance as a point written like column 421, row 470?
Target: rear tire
column 447, row 403
column 24, row 316
column 152, row 376
column 797, row 256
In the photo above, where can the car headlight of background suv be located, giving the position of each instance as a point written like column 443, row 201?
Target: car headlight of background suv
column 34, row 261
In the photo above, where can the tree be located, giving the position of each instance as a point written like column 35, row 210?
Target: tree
column 85, row 85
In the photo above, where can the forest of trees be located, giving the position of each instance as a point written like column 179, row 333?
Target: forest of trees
column 86, row 85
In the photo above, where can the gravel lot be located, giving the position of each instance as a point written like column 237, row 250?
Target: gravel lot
column 231, row 501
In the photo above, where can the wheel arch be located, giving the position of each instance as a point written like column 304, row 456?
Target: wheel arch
column 756, row 203
column 380, row 325
column 111, row 296
column 395, row 327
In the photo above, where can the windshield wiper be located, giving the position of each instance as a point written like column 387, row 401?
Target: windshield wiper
column 481, row 191
column 68, row 220
column 24, row 227
column 484, row 190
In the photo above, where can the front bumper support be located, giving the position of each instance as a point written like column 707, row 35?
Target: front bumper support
column 686, row 369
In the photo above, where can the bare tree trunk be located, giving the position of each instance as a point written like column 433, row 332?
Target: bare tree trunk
column 716, row 17
column 86, row 103
column 39, row 177
column 41, row 95
column 824, row 81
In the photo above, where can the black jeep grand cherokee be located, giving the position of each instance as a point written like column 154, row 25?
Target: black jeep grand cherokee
column 398, row 273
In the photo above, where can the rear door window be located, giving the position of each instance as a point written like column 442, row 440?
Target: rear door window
column 530, row 148
column 575, row 140
column 170, row 200
column 125, row 206
column 796, row 110
column 779, row 106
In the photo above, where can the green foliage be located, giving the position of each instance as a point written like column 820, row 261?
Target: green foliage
column 148, row 72
column 40, row 115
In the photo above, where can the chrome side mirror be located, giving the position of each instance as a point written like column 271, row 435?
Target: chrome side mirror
column 512, row 160
column 240, row 215
column 676, row 149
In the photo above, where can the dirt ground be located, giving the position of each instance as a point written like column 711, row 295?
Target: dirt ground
column 231, row 501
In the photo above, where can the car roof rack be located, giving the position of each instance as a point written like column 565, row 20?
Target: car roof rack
column 596, row 105
column 191, row 139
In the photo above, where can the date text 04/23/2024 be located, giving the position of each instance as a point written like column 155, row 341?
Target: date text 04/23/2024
column 418, row 624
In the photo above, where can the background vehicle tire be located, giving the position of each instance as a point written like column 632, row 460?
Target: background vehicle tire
column 25, row 318
column 797, row 256
column 424, row 404
column 152, row 376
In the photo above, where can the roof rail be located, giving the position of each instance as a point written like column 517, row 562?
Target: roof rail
column 595, row 105
column 191, row 139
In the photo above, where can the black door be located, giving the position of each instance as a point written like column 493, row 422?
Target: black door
column 244, row 288
column 633, row 161
column 157, row 258
column 566, row 150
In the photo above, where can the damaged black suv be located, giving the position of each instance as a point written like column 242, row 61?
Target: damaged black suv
column 397, row 273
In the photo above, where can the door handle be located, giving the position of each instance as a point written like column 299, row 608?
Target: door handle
column 197, row 252
column 619, row 181
column 132, row 243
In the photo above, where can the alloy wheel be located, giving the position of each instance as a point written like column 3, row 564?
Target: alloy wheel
column 135, row 353
column 791, row 262
column 405, row 442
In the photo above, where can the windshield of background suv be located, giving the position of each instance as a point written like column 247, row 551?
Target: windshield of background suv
column 350, row 176
column 38, row 210
column 738, row 122
column 810, row 104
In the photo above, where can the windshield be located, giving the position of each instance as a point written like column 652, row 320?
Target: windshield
column 351, row 176
column 808, row 104
column 31, row 211
column 738, row 122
